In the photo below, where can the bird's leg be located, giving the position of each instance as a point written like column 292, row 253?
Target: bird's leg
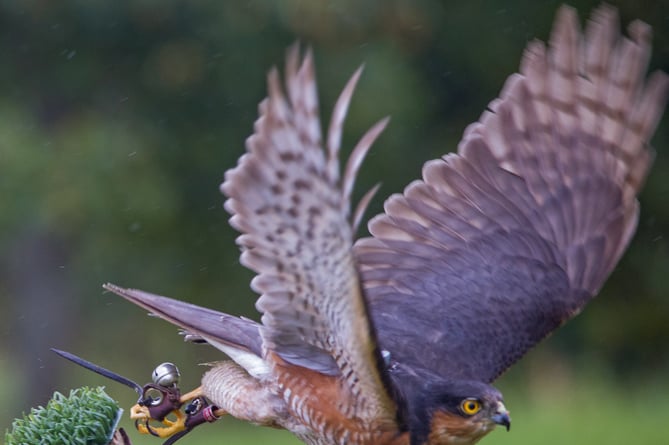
column 197, row 392
column 237, row 393
column 158, row 403
column 197, row 411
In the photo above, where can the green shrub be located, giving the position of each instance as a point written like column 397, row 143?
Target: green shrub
column 87, row 417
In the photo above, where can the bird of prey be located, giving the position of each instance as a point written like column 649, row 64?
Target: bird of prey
column 397, row 337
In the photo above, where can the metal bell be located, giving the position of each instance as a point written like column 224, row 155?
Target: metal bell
column 166, row 374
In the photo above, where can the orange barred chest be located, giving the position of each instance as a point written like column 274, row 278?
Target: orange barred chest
column 323, row 406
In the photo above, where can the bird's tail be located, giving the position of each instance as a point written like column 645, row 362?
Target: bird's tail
column 238, row 337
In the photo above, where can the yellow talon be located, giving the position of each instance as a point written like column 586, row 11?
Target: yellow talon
column 139, row 413
column 142, row 416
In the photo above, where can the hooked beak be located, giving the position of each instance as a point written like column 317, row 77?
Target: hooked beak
column 501, row 416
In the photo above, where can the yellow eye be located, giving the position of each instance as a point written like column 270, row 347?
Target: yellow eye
column 470, row 406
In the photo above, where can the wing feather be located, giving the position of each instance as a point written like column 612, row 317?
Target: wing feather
column 500, row 244
column 286, row 198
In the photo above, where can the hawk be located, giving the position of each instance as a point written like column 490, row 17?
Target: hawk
column 396, row 338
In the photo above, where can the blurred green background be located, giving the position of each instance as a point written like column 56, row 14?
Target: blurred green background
column 118, row 120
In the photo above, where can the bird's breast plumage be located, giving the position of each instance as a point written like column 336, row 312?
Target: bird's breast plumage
column 322, row 404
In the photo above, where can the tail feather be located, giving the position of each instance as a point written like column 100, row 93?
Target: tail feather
column 238, row 337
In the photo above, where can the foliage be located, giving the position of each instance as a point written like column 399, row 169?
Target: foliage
column 85, row 417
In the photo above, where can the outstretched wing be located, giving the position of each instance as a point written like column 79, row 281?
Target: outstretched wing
column 287, row 199
column 500, row 244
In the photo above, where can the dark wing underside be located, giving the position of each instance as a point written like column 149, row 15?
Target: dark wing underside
column 500, row 244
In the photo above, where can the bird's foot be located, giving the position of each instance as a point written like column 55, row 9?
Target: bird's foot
column 197, row 410
column 142, row 416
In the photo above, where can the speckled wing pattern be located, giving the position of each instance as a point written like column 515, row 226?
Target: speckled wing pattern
column 501, row 243
column 288, row 200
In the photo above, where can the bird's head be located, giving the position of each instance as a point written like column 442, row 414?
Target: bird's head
column 462, row 412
